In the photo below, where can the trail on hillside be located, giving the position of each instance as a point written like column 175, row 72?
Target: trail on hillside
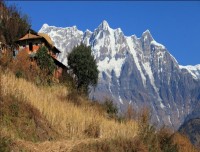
column 51, row 146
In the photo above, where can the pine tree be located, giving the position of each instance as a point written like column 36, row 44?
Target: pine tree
column 84, row 67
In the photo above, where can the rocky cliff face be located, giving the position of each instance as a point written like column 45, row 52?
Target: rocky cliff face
column 137, row 71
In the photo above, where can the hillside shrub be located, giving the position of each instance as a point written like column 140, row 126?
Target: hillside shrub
column 154, row 140
column 110, row 108
column 165, row 138
column 4, row 144
column 93, row 130
column 23, row 67
column 183, row 143
column 46, row 65
column 130, row 113
column 5, row 60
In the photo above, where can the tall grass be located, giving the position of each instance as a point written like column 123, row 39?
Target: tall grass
column 69, row 120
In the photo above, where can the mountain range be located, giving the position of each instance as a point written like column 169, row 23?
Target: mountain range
column 138, row 71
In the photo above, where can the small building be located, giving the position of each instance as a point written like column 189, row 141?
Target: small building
column 32, row 41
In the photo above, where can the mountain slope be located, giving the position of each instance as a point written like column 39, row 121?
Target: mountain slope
column 137, row 71
column 191, row 129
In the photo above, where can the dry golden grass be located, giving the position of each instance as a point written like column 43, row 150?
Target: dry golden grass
column 83, row 127
column 184, row 145
column 69, row 120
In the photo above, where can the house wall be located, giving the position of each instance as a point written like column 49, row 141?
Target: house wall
column 24, row 45
column 36, row 43
column 58, row 72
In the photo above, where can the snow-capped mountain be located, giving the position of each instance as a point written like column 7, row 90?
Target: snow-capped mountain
column 137, row 71
column 64, row 38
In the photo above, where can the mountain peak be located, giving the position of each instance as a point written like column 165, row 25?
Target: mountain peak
column 104, row 25
column 147, row 32
column 45, row 25
column 147, row 35
column 88, row 31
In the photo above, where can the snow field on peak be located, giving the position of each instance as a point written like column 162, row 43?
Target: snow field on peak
column 191, row 67
column 193, row 70
column 107, row 65
column 157, row 44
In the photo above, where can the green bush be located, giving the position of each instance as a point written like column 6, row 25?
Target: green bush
column 14, row 108
column 19, row 74
column 5, row 144
column 46, row 65
column 110, row 108
column 165, row 138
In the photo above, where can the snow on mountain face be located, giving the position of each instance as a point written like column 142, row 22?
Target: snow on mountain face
column 193, row 70
column 108, row 48
column 137, row 71
column 64, row 39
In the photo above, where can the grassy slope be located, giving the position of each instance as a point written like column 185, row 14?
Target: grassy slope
column 24, row 121
column 66, row 120
column 43, row 119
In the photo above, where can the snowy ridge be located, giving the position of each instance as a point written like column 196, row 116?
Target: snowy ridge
column 193, row 70
column 134, row 54
column 157, row 44
column 64, row 38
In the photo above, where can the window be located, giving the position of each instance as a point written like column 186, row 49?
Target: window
column 31, row 46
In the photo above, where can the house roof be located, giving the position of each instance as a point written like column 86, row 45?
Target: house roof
column 29, row 36
column 36, row 36
column 47, row 38
column 56, row 49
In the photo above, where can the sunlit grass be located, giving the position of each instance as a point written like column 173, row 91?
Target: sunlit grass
column 70, row 120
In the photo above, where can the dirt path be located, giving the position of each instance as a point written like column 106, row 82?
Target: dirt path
column 50, row 146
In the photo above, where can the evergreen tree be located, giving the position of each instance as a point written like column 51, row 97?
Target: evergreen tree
column 45, row 63
column 84, row 67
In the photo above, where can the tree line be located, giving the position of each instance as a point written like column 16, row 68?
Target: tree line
column 13, row 23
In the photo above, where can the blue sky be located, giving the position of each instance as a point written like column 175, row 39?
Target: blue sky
column 173, row 24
